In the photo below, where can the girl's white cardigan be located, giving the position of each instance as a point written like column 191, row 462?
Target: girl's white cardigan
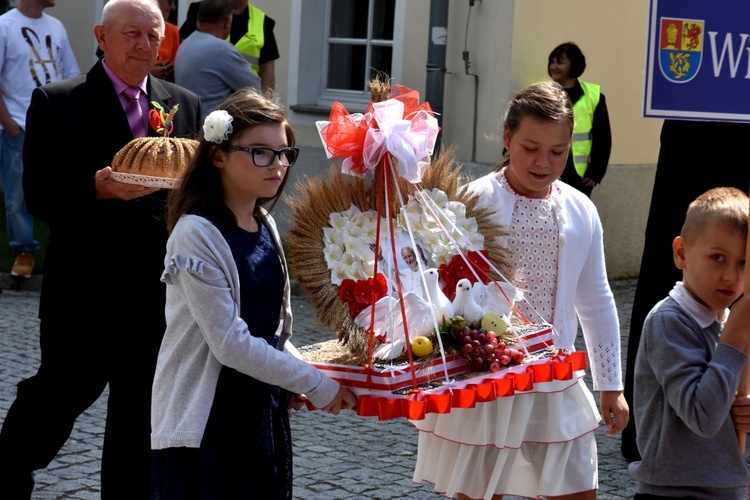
column 583, row 290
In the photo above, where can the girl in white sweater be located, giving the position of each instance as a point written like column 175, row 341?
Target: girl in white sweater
column 539, row 443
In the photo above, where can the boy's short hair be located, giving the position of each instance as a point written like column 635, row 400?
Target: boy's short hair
column 727, row 206
column 214, row 11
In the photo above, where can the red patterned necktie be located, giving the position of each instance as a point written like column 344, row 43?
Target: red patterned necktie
column 134, row 112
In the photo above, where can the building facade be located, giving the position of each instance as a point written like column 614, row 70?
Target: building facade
column 466, row 57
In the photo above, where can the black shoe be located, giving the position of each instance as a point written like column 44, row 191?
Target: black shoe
column 19, row 486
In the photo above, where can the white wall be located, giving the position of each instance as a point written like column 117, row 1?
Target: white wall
column 79, row 18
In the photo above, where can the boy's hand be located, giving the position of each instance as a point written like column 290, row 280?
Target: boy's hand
column 741, row 413
column 735, row 331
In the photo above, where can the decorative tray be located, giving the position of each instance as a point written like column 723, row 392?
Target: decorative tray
column 146, row 180
column 388, row 391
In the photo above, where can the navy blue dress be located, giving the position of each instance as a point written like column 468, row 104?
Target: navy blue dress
column 246, row 451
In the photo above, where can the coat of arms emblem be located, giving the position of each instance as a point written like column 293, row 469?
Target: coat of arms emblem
column 681, row 48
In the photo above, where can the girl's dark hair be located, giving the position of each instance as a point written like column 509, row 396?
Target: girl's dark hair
column 575, row 56
column 545, row 101
column 200, row 190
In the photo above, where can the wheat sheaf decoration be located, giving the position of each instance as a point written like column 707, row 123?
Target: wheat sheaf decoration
column 385, row 194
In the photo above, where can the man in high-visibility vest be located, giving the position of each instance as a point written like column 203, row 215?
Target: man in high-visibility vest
column 207, row 64
column 592, row 136
column 252, row 34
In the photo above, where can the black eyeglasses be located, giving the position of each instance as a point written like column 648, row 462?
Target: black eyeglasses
column 263, row 157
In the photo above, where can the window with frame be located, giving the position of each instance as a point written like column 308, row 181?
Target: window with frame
column 360, row 38
column 359, row 43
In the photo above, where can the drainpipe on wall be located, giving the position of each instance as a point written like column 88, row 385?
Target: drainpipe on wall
column 467, row 65
column 436, row 62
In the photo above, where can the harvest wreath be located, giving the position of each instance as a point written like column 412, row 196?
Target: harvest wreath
column 403, row 264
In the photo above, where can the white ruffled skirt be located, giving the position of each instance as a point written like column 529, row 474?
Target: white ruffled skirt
column 532, row 444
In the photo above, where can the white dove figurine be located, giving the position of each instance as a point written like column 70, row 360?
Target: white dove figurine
column 389, row 322
column 496, row 296
column 441, row 304
column 464, row 303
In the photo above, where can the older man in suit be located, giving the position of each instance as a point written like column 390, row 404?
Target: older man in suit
column 102, row 303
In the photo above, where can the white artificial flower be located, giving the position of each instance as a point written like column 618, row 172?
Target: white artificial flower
column 476, row 241
column 439, row 197
column 333, row 237
column 356, row 270
column 356, row 231
column 347, row 260
column 413, row 207
column 332, row 253
column 217, row 126
column 470, row 225
column 337, row 220
column 360, row 249
column 457, row 208
column 350, row 240
column 338, row 274
column 348, row 244
column 352, row 213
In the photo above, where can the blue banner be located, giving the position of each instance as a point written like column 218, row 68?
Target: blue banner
column 698, row 60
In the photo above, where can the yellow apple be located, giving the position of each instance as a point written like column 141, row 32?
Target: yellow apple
column 494, row 322
column 421, row 346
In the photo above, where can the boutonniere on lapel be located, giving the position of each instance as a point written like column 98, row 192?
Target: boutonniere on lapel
column 160, row 122
column 155, row 161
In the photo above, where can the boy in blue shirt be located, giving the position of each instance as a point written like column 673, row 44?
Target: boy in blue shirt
column 690, row 358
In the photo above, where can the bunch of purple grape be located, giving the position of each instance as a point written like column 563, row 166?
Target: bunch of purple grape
column 485, row 351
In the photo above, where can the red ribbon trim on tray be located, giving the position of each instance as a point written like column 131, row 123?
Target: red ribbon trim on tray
column 486, row 388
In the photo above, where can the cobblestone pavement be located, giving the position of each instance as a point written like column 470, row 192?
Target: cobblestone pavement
column 342, row 456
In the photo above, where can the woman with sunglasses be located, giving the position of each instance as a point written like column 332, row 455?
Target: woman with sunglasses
column 227, row 375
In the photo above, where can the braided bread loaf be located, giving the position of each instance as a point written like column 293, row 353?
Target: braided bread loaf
column 164, row 157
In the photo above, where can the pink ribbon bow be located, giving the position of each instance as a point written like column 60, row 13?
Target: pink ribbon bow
column 399, row 126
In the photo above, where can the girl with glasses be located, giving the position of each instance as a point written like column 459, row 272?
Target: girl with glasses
column 227, row 375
